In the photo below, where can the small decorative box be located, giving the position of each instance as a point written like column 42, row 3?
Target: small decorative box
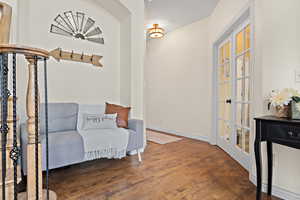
column 295, row 108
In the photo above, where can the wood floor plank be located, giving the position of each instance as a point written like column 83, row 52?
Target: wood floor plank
column 183, row 170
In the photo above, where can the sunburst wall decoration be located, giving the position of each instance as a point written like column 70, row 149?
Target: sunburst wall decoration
column 77, row 25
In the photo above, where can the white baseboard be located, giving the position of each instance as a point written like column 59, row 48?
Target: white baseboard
column 196, row 137
column 278, row 191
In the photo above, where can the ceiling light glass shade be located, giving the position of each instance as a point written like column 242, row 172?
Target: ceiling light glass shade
column 156, row 31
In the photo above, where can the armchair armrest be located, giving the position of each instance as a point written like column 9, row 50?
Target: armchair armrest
column 136, row 125
column 136, row 140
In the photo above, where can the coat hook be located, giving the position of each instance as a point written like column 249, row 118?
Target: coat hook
column 60, row 53
column 72, row 54
column 92, row 58
column 82, row 56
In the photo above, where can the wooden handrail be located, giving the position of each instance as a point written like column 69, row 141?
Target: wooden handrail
column 27, row 51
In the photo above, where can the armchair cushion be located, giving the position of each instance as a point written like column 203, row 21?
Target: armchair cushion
column 123, row 114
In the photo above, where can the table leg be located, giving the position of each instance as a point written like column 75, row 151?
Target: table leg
column 270, row 167
column 257, row 150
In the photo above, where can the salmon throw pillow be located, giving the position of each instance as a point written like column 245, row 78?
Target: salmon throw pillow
column 123, row 114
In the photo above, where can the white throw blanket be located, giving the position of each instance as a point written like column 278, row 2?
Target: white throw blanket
column 105, row 143
column 102, row 143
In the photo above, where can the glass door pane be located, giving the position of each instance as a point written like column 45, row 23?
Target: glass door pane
column 239, row 114
column 240, row 66
column 224, row 130
column 234, row 94
column 247, row 140
column 224, row 91
column 247, row 63
column 246, row 118
column 248, row 37
column 240, row 42
column 239, row 134
column 242, row 86
column 246, row 92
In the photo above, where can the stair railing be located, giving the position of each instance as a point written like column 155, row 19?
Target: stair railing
column 34, row 157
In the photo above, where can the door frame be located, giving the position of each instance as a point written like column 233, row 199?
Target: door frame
column 246, row 14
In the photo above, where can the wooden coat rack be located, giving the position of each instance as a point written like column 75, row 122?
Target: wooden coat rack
column 59, row 54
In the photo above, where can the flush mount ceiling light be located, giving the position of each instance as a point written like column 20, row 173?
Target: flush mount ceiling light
column 156, row 31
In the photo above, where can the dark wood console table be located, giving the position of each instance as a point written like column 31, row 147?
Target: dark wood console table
column 273, row 130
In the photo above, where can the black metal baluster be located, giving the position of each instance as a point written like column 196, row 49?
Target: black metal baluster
column 46, row 126
column 2, row 142
column 36, row 103
column 4, row 127
column 15, row 152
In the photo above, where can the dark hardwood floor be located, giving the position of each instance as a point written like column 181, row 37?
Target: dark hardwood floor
column 184, row 170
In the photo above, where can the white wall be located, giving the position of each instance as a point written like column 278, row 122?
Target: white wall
column 278, row 56
column 177, row 96
column 82, row 83
column 125, row 67
column 223, row 14
column 136, row 7
column 132, row 51
column 72, row 81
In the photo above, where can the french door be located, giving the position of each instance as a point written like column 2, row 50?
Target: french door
column 234, row 94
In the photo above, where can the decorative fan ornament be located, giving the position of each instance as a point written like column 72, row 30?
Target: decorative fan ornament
column 78, row 26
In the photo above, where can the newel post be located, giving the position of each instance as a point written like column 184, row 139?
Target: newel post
column 33, row 180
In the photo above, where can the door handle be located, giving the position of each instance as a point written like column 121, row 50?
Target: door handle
column 228, row 101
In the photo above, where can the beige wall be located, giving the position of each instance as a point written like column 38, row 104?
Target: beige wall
column 177, row 96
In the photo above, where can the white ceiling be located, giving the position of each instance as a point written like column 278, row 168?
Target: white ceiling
column 172, row 14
